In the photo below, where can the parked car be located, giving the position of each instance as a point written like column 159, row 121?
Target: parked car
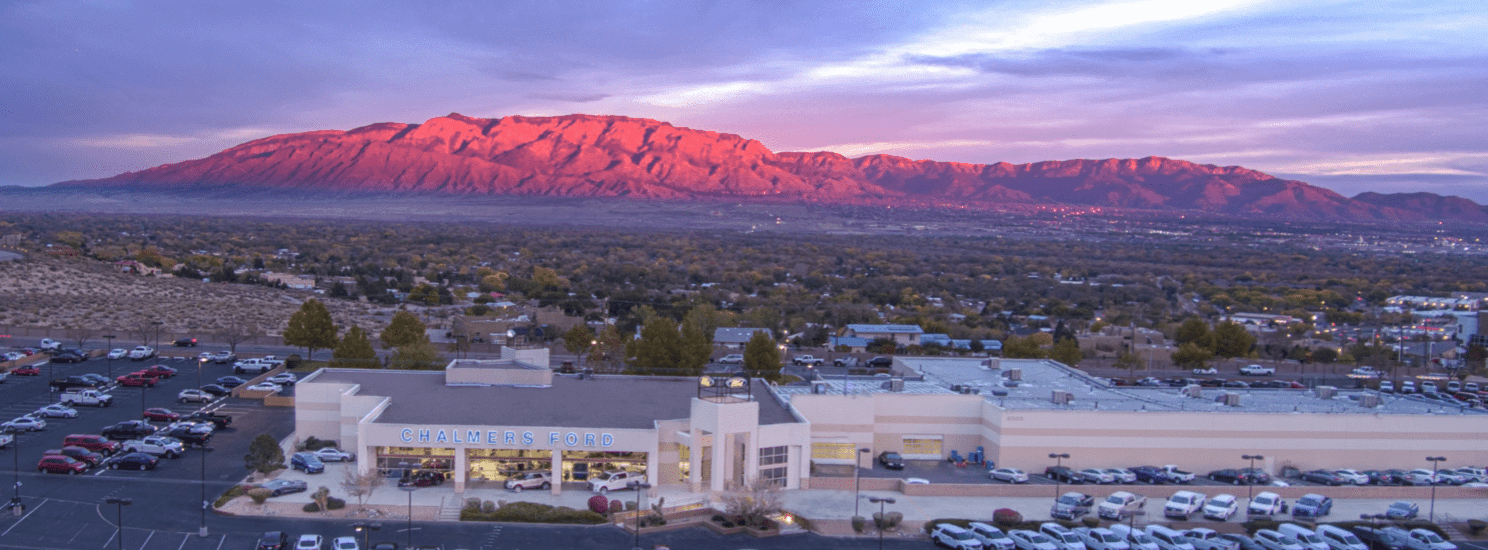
column 1312, row 505
column 58, row 464
column 117, row 353
column 951, row 536
column 49, row 344
column 1101, row 538
column 1208, row 539
column 1266, row 504
column 96, row 443
column 1097, row 476
column 265, row 386
column 1168, row 539
column 166, row 446
column 1151, row 475
column 194, row 396
column 1183, row 504
column 231, row 382
column 273, row 540
column 1063, row 474
column 1242, row 542
column 217, row 390
column 278, row 487
column 1072, row 505
column 88, row 457
column 68, row 358
column 306, row 462
column 129, row 429
column 282, row 379
column 1389, row 538
column 1136, row 538
column 134, row 461
column 1420, row 476
column 1120, row 504
column 732, row 359
column 24, row 424
column 1274, row 540
column 1324, row 477
column 224, row 357
column 891, row 460
column 57, row 410
column 332, row 454
column 1024, row 539
column 1010, row 475
column 1221, row 507
column 1308, row 538
column 1063, row 538
column 1353, row 476
column 1233, row 476
column 991, row 537
column 880, row 362
column 345, row 543
column 1401, row 509
column 161, row 414
column 1422, row 539
column 1339, row 538
column 1122, row 475
column 530, row 480
column 309, row 542
column 1385, row 477
column 30, row 370
column 141, row 353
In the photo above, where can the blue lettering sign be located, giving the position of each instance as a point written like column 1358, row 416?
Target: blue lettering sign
column 526, row 438
column 572, row 439
column 440, row 437
column 423, row 436
column 606, row 440
column 455, row 435
column 406, row 435
column 588, row 440
column 552, row 438
column 511, row 437
column 472, row 436
column 491, row 437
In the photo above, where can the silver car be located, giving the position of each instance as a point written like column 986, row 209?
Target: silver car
column 1010, row 475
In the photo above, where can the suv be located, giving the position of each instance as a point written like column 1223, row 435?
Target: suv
column 732, row 359
column 880, row 362
column 185, row 343
column 1063, row 538
column 223, row 357
column 129, row 429
column 530, row 480
column 1071, row 506
column 891, row 460
column 1312, row 505
column 991, row 537
column 95, row 443
column 307, row 462
column 273, row 540
column 1265, row 504
column 951, row 536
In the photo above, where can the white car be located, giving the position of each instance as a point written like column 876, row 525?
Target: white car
column 1265, row 504
column 194, row 396
column 1094, row 475
column 282, row 379
column 265, row 386
column 1367, row 371
column 1353, row 476
column 118, row 353
column 50, row 344
column 141, row 353
column 309, row 542
column 950, row 536
column 345, row 543
column 193, row 426
column 1421, row 539
column 1010, row 475
column 1208, row 539
column 1421, row 477
column 332, row 454
column 14, row 356
column 1122, row 475
column 24, row 424
column 1209, row 370
column 1137, row 538
column 1031, row 540
column 1221, row 507
column 1274, row 540
column 1063, row 538
column 57, row 411
column 991, row 537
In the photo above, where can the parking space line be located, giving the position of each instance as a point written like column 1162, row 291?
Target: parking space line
column 224, row 540
column 110, row 539
column 23, row 518
column 147, row 539
column 184, row 537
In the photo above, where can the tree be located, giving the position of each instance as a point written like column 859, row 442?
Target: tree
column 1193, row 330
column 424, row 294
column 264, row 455
column 355, row 350
column 404, row 329
column 1324, row 354
column 1067, row 351
column 761, row 355
column 80, row 334
column 311, row 328
column 756, row 501
column 696, row 347
column 418, row 355
column 1192, row 356
column 611, row 346
column 360, row 485
column 578, row 340
column 659, row 348
column 322, row 498
column 1021, row 348
column 1232, row 340
column 1127, row 360
column 238, row 330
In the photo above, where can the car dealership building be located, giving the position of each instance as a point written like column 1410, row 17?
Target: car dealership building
column 481, row 421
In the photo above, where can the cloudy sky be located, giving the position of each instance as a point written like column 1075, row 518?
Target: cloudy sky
column 1377, row 95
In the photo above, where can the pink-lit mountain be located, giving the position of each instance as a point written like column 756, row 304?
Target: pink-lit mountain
column 612, row 156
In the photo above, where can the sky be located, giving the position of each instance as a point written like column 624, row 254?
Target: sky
column 1374, row 95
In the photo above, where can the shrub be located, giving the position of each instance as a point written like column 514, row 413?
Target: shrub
column 314, row 444
column 599, row 504
column 1257, row 524
column 630, row 505
column 616, row 506
column 887, row 522
column 859, row 523
column 332, row 503
column 1476, row 526
column 722, row 521
column 488, row 507
column 532, row 512
column 1006, row 516
column 259, row 495
column 472, row 504
column 235, row 492
column 1091, row 521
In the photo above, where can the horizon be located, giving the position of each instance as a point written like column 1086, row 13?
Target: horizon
column 1351, row 96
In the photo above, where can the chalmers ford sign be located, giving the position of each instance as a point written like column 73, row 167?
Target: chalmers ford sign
column 467, row 436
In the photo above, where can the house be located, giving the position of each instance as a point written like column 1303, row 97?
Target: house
column 854, row 344
column 290, row 280
column 735, row 338
column 908, row 335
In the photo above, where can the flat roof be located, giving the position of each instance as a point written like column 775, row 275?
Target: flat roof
column 622, row 402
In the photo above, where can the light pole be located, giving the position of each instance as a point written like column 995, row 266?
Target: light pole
column 119, row 523
column 205, row 450
column 1435, row 462
column 857, row 479
column 15, row 503
column 110, row 339
column 640, row 507
column 410, row 490
column 881, row 519
column 1058, row 462
column 1133, row 525
column 366, row 530
column 157, row 334
column 1250, row 483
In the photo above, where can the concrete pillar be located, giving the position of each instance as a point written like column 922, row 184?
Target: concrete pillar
column 461, row 470
column 556, row 471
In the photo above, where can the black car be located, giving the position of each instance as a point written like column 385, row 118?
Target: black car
column 134, row 461
column 99, row 378
column 189, row 438
column 1324, row 477
column 891, row 460
column 1151, row 475
column 1212, row 382
column 1229, row 476
column 880, row 362
column 216, row 390
column 1063, row 474
column 129, row 429
column 231, row 381
column 68, row 358
column 1385, row 477
column 385, row 546
column 1256, row 476
column 186, row 343
column 274, row 540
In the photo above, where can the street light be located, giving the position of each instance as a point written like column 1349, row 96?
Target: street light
column 205, row 449
column 15, row 503
column 410, row 490
column 119, row 523
column 640, row 489
column 366, row 530
column 1435, row 461
column 1058, row 462
column 157, row 334
column 200, row 363
column 1250, row 483
column 857, row 480
column 110, row 339
column 878, row 522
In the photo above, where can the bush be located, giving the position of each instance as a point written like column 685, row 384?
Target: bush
column 472, row 504
column 859, row 523
column 887, row 522
column 723, row 521
column 1091, row 521
column 332, row 503
column 235, row 492
column 599, row 504
column 1257, row 524
column 532, row 512
column 616, row 506
column 1006, row 516
column 488, row 507
column 1476, row 526
column 314, row 444
column 259, row 495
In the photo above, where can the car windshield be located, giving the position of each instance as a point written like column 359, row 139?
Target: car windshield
column 1110, row 537
column 1401, row 506
column 891, row 456
column 1308, row 501
column 1141, row 538
column 1069, row 537
column 1180, row 540
column 1310, row 538
column 1038, row 538
column 1219, row 502
column 1113, row 499
column 1180, row 499
column 1430, row 537
column 1350, row 539
column 962, row 535
column 1070, row 500
column 1263, row 501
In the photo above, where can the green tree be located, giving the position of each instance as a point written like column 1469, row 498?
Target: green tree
column 417, row 355
column 424, row 294
column 611, row 346
column 761, row 355
column 355, row 350
column 1021, row 348
column 311, row 328
column 1067, row 351
column 1194, row 330
column 1192, row 356
column 578, row 340
column 1232, row 340
column 403, row 330
column 1127, row 360
column 697, row 342
column 1324, row 354
column 264, row 455
column 659, row 348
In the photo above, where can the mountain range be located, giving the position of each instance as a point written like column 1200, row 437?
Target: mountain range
column 614, row 156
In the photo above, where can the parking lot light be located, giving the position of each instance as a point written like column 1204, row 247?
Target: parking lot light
column 881, row 517
column 1435, row 462
column 857, row 479
column 1250, row 484
column 205, row 449
column 1058, row 461
column 119, row 522
column 366, row 530
column 110, row 339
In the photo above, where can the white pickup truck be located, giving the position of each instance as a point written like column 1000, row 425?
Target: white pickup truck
column 141, row 353
column 254, row 366
column 155, row 445
column 1120, row 505
column 1183, row 504
column 92, row 398
column 808, row 360
column 614, row 480
column 1257, row 370
column 1174, row 475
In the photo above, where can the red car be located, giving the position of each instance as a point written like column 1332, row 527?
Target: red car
column 164, row 415
column 27, row 371
column 58, row 464
column 136, row 379
column 160, row 371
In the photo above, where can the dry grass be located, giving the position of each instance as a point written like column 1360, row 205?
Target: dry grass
column 69, row 293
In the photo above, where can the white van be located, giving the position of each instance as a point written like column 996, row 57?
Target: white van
column 1340, row 539
column 1306, row 537
column 1168, row 539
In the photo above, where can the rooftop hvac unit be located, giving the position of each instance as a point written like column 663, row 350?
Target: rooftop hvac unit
column 956, row 388
column 968, row 390
column 1192, row 390
column 993, row 363
column 896, row 384
column 1326, row 392
column 1015, row 374
column 818, row 387
column 1061, row 397
column 1229, row 399
column 1369, row 400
